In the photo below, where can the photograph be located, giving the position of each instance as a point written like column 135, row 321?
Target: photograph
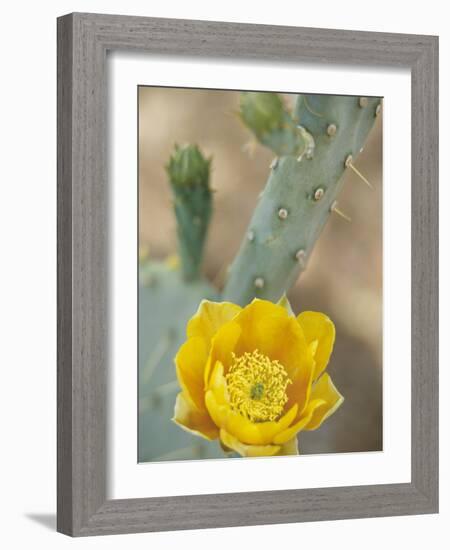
column 260, row 274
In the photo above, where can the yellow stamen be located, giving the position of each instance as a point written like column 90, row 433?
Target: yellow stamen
column 257, row 386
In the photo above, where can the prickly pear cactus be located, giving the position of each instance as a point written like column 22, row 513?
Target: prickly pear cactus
column 313, row 146
column 301, row 190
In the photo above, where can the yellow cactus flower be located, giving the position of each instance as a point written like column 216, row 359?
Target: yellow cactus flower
column 254, row 377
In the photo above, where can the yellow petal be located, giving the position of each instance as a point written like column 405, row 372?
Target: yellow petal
column 190, row 364
column 320, row 332
column 289, row 448
column 303, row 375
column 259, row 433
column 223, row 345
column 268, row 328
column 209, row 318
column 300, row 390
column 217, row 410
column 301, row 424
column 324, row 390
column 217, row 383
column 233, row 443
column 259, row 321
column 192, row 420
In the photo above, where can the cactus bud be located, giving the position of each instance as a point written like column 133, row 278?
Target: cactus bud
column 265, row 115
column 262, row 112
column 188, row 172
column 187, row 167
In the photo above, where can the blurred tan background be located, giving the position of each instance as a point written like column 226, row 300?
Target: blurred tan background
column 344, row 275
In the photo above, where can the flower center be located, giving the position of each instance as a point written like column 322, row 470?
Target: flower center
column 257, row 386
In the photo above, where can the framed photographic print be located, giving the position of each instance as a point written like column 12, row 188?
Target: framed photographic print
column 247, row 274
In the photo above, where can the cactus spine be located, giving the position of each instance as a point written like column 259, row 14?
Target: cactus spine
column 300, row 193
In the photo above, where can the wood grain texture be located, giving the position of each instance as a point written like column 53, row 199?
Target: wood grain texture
column 83, row 318
column 64, row 266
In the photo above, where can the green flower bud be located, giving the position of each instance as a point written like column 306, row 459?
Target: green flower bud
column 188, row 172
column 187, row 167
column 262, row 112
column 273, row 126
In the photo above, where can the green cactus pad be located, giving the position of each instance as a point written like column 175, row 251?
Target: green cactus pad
column 299, row 196
column 166, row 303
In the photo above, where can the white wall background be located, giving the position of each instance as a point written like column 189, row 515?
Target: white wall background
column 28, row 268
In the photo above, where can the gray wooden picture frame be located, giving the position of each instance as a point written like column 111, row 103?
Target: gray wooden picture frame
column 83, row 41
